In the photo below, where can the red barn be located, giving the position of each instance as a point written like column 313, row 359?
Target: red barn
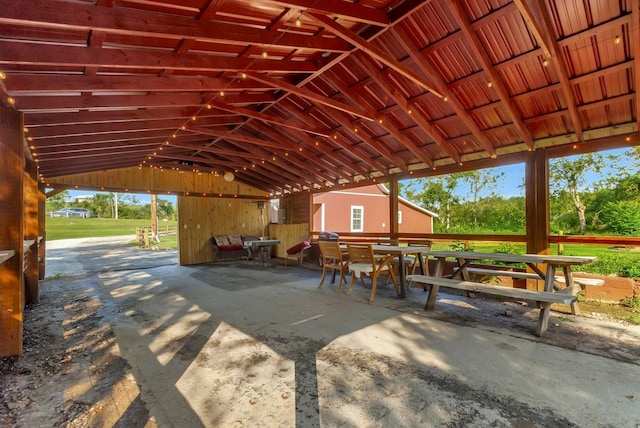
column 366, row 209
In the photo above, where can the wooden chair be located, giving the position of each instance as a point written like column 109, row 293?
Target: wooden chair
column 362, row 261
column 332, row 259
column 415, row 263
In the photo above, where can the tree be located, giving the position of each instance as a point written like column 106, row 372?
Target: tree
column 57, row 201
column 480, row 181
column 570, row 174
column 435, row 194
column 101, row 205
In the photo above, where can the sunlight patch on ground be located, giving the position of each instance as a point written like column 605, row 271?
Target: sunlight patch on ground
column 238, row 374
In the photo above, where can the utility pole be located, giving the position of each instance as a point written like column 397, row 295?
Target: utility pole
column 154, row 217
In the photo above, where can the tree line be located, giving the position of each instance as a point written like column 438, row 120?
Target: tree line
column 113, row 205
column 471, row 202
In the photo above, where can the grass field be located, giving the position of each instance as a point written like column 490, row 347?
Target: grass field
column 69, row 228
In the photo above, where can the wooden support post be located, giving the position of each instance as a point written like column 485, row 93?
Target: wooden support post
column 11, row 231
column 537, row 207
column 42, row 233
column 30, row 198
column 393, row 211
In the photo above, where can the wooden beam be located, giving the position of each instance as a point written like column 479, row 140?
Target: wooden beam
column 423, row 63
column 127, row 21
column 38, row 104
column 268, row 118
column 384, row 124
column 30, row 202
column 23, row 84
column 310, row 95
column 374, row 51
column 375, row 74
column 537, row 202
column 360, row 134
column 12, row 297
column 494, row 78
column 338, row 8
column 235, row 137
column 558, row 64
column 69, row 56
column 533, row 26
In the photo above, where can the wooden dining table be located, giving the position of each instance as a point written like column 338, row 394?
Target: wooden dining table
column 543, row 267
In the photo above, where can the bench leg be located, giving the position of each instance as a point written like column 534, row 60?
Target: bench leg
column 575, row 308
column 543, row 320
column 431, row 298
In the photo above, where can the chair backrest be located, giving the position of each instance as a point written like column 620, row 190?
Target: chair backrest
column 421, row 244
column 330, row 250
column 361, row 253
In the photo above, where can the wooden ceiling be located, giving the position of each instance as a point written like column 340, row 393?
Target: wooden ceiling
column 299, row 95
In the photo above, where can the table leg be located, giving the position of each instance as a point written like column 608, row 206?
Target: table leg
column 568, row 279
column 433, row 290
column 403, row 287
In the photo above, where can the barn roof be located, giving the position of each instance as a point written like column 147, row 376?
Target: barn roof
column 311, row 94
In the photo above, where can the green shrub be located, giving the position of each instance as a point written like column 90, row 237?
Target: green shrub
column 623, row 217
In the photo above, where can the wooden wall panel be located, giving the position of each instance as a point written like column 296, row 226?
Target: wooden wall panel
column 297, row 208
column 199, row 218
column 160, row 181
column 11, row 231
column 289, row 235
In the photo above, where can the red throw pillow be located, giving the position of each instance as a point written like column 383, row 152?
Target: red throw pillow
column 301, row 246
column 230, row 247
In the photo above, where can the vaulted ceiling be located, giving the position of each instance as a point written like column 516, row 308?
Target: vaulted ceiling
column 308, row 94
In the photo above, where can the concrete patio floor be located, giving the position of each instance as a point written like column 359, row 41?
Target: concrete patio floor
column 226, row 345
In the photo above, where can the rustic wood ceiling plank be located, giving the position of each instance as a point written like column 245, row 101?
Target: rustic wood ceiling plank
column 540, row 10
column 52, row 55
column 268, row 118
column 360, row 134
column 74, row 15
column 383, row 123
column 209, row 118
column 494, row 78
column 374, row 51
column 422, row 62
column 341, row 9
column 21, row 83
column 235, row 137
column 375, row 74
column 310, row 95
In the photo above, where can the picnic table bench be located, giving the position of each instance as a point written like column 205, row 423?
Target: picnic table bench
column 543, row 299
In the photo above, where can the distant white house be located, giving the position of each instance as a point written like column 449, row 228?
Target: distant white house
column 82, row 198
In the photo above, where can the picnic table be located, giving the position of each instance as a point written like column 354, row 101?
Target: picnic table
column 401, row 251
column 543, row 267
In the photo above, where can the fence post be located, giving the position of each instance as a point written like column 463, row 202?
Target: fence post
column 560, row 245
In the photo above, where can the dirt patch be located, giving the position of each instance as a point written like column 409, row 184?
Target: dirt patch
column 70, row 373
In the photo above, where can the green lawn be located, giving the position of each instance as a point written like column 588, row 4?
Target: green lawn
column 68, row 228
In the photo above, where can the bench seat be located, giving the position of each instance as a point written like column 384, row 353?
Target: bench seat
column 593, row 282
column 544, row 299
column 498, row 272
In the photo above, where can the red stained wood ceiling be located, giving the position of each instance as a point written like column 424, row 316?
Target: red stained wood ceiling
column 308, row 94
